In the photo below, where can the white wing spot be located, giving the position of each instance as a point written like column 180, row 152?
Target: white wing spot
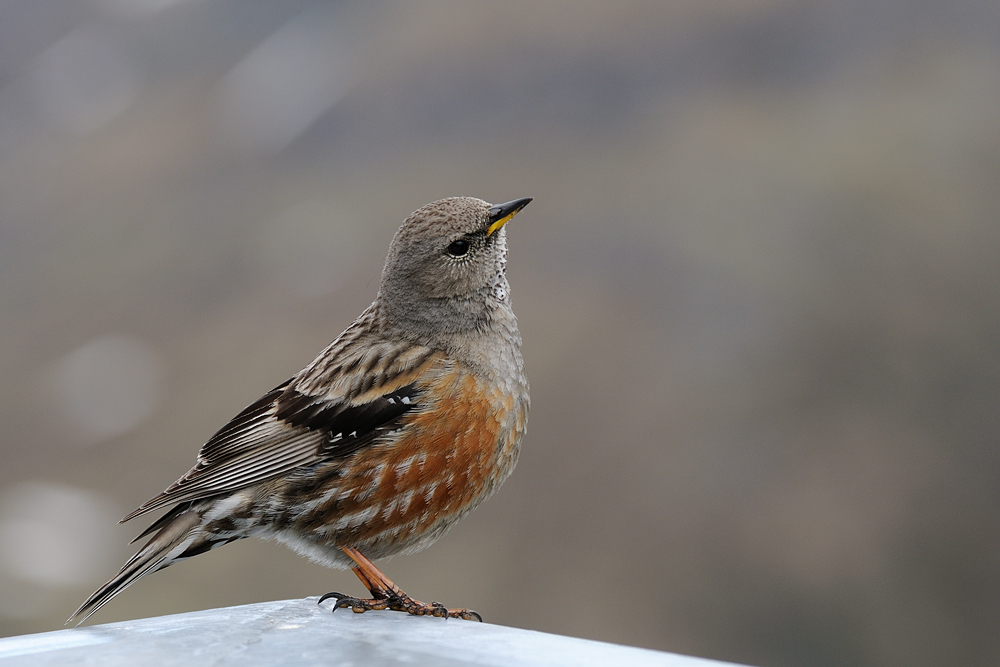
column 357, row 518
column 403, row 467
column 367, row 491
column 404, row 501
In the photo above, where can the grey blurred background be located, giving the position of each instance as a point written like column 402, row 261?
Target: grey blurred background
column 759, row 289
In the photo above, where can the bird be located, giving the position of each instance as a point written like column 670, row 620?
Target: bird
column 405, row 423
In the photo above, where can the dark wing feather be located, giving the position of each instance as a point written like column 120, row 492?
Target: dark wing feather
column 227, row 438
column 347, row 426
column 288, row 428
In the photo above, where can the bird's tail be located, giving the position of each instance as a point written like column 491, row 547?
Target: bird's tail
column 178, row 536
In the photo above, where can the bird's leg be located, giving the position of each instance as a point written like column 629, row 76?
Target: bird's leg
column 387, row 595
column 378, row 590
column 381, row 586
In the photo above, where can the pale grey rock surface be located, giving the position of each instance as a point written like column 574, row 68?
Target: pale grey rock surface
column 299, row 632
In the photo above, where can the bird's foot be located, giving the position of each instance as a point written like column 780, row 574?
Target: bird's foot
column 399, row 601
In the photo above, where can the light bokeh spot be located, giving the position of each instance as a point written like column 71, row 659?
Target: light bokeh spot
column 54, row 535
column 108, row 386
column 84, row 81
column 284, row 85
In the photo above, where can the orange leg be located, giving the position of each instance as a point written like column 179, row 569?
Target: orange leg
column 381, row 586
column 387, row 595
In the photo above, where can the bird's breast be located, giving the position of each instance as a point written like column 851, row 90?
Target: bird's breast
column 410, row 485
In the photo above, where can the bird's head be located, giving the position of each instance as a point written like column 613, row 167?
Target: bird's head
column 446, row 265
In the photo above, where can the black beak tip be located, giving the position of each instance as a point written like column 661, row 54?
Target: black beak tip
column 501, row 211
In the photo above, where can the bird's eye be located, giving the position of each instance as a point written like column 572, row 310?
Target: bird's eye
column 458, row 248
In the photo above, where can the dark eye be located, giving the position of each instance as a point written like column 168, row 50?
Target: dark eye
column 458, row 248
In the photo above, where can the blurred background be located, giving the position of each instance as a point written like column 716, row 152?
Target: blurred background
column 759, row 289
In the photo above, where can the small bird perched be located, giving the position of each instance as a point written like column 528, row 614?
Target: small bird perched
column 400, row 427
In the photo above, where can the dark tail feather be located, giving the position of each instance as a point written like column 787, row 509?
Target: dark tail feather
column 175, row 539
column 162, row 521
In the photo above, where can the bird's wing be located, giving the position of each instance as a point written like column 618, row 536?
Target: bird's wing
column 338, row 404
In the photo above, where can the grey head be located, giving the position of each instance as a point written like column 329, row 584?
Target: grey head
column 445, row 276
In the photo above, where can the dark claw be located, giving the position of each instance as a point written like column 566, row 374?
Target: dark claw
column 439, row 610
column 327, row 596
column 468, row 616
column 345, row 602
column 342, row 601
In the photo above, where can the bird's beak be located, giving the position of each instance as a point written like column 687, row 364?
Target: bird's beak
column 501, row 213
